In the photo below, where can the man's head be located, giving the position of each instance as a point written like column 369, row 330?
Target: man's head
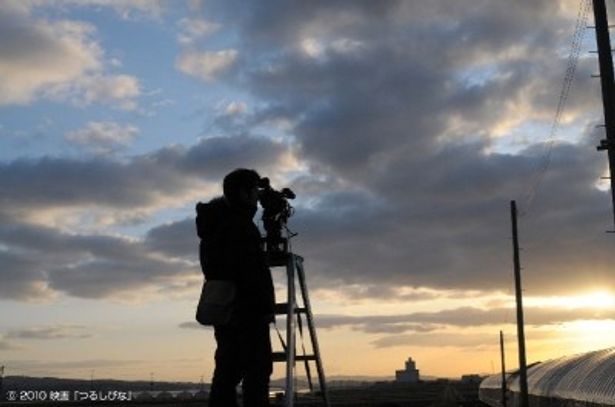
column 240, row 186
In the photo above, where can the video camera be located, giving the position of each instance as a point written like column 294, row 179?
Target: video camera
column 276, row 211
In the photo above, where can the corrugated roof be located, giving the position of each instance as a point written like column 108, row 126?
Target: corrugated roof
column 587, row 377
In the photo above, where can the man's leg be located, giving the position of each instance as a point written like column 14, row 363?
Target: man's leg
column 258, row 365
column 227, row 373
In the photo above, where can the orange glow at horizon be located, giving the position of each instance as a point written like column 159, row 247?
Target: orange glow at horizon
column 594, row 300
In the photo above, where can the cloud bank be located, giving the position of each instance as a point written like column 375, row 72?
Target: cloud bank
column 407, row 129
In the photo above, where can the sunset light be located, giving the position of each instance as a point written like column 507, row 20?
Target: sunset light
column 595, row 299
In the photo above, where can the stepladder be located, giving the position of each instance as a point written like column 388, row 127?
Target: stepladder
column 298, row 313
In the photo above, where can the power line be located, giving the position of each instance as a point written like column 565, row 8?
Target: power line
column 571, row 66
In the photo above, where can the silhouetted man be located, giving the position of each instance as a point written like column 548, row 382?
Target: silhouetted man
column 231, row 249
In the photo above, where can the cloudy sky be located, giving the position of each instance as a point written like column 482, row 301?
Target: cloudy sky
column 404, row 127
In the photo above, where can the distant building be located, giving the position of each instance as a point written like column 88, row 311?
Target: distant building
column 409, row 375
column 471, row 379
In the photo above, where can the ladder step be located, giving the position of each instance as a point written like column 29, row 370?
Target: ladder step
column 282, row 309
column 281, row 357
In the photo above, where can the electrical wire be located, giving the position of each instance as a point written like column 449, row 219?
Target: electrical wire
column 573, row 58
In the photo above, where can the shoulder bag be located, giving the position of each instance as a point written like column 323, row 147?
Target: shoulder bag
column 216, row 303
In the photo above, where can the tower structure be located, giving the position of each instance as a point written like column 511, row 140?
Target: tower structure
column 408, row 375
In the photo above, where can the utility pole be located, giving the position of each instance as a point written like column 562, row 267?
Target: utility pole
column 524, row 402
column 503, row 363
column 607, row 83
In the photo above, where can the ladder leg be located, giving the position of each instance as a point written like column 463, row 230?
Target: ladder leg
column 311, row 327
column 306, row 362
column 290, row 332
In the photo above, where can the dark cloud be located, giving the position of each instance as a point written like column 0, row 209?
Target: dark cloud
column 37, row 260
column 463, row 317
column 109, row 278
column 65, row 182
column 385, row 292
column 192, row 325
column 43, row 260
column 6, row 345
column 20, row 277
column 453, row 339
column 405, row 81
column 49, row 332
column 217, row 156
column 438, row 339
column 395, row 328
column 175, row 239
column 138, row 182
column 451, row 228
